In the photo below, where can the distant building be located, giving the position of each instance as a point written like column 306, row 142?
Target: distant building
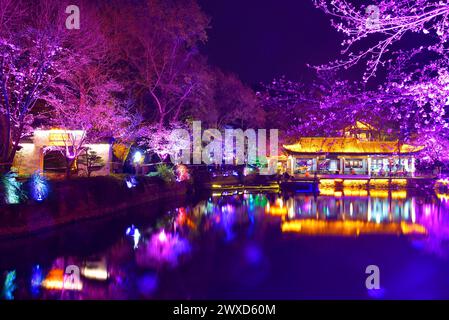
column 353, row 153
column 36, row 153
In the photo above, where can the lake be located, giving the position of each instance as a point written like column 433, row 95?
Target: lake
column 242, row 245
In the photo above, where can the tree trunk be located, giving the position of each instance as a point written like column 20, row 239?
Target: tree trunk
column 69, row 167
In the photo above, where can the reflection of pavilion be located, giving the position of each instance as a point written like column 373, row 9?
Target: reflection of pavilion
column 356, row 152
column 349, row 215
column 351, row 227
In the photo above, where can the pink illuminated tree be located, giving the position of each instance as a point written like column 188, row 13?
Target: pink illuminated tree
column 88, row 101
column 36, row 49
column 323, row 107
column 29, row 55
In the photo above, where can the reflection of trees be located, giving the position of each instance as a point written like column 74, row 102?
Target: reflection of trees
column 434, row 216
column 162, row 249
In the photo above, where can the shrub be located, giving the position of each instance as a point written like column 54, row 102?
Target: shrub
column 166, row 173
column 11, row 189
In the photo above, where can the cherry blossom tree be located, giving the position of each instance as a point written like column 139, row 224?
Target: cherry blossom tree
column 225, row 101
column 159, row 45
column 416, row 94
column 88, row 101
column 36, row 49
column 29, row 56
column 324, row 107
column 372, row 29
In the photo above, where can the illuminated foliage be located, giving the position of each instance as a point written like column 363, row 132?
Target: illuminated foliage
column 11, row 188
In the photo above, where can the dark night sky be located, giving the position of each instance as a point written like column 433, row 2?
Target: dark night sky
column 263, row 39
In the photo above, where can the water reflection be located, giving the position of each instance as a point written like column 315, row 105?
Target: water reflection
column 250, row 224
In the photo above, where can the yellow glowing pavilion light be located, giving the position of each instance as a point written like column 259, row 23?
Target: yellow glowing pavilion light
column 400, row 194
column 273, row 186
column 327, row 191
column 277, row 211
column 351, row 227
column 355, row 193
column 444, row 181
column 381, row 183
column 55, row 281
column 355, row 183
column 378, row 193
column 327, row 183
column 338, row 194
column 443, row 196
column 399, row 182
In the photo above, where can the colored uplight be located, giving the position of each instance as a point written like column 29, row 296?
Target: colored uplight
column 247, row 171
column 162, row 236
column 9, row 286
column 36, row 279
column 182, row 173
column 39, row 188
column 135, row 234
column 131, row 182
column 137, row 157
column 12, row 187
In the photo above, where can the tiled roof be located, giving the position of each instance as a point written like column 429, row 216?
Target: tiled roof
column 348, row 145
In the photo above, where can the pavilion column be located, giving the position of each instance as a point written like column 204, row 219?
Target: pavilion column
column 41, row 159
column 292, row 165
column 342, row 165
column 412, row 166
column 368, row 161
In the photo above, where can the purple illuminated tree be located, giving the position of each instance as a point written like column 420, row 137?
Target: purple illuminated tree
column 324, row 107
column 36, row 49
column 226, row 101
column 29, row 54
column 372, row 30
column 87, row 100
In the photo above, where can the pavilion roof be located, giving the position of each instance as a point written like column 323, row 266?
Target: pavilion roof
column 348, row 145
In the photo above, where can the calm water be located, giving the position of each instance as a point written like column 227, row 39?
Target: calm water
column 243, row 246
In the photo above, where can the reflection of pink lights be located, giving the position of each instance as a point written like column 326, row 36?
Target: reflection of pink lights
column 427, row 210
column 162, row 236
column 163, row 248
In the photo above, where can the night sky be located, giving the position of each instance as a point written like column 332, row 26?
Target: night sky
column 263, row 39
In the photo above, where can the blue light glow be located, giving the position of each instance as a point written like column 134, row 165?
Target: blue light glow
column 9, row 286
column 135, row 234
column 131, row 182
column 39, row 188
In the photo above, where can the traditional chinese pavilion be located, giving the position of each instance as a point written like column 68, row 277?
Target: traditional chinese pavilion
column 356, row 152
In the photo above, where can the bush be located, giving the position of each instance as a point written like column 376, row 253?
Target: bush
column 166, row 173
column 11, row 189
